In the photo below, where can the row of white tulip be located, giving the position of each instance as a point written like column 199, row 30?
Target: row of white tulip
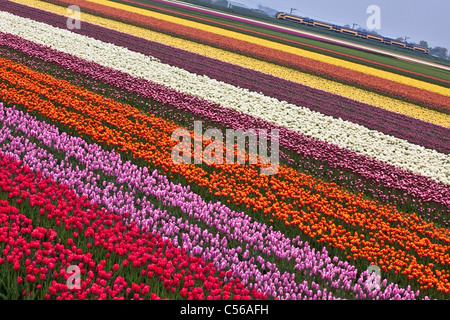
column 357, row 138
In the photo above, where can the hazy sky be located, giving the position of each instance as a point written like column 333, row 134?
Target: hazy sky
column 427, row 20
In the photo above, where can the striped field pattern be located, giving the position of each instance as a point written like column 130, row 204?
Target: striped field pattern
column 89, row 186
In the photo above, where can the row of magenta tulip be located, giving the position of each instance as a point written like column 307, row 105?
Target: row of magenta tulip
column 237, row 181
column 268, row 249
column 328, row 162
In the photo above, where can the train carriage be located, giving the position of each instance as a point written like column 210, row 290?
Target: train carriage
column 359, row 34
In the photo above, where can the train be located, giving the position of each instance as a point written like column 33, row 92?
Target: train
column 359, row 34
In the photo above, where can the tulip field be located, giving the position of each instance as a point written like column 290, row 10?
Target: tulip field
column 92, row 205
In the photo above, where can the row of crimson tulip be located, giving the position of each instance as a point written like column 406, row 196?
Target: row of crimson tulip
column 132, row 189
column 369, row 82
column 398, row 242
column 61, row 229
column 368, row 176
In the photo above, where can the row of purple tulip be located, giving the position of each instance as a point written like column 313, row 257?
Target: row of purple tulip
column 231, row 240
